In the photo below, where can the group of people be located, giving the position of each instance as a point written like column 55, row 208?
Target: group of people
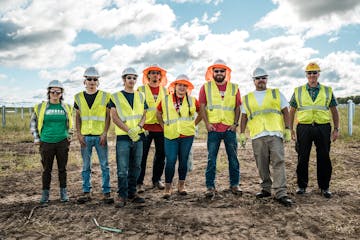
column 169, row 116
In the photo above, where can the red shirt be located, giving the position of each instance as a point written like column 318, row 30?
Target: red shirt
column 177, row 104
column 220, row 127
column 155, row 127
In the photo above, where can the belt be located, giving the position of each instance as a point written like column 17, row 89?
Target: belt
column 314, row 124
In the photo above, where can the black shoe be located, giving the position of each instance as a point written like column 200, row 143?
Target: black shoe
column 136, row 199
column 107, row 199
column 326, row 193
column 263, row 194
column 301, row 191
column 210, row 192
column 86, row 197
column 120, row 202
column 285, row 200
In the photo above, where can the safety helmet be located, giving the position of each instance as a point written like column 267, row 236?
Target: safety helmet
column 259, row 72
column 91, row 72
column 219, row 63
column 181, row 79
column 155, row 67
column 55, row 83
column 312, row 67
column 128, row 71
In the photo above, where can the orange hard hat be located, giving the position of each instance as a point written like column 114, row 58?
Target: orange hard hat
column 181, row 79
column 155, row 67
column 218, row 64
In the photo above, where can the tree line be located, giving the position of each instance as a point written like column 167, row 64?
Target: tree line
column 344, row 100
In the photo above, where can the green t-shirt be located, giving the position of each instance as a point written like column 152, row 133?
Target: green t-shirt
column 54, row 126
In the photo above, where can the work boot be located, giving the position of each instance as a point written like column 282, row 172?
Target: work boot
column 44, row 196
column 326, row 193
column 107, row 198
column 210, row 193
column 159, row 185
column 63, row 195
column 120, row 202
column 181, row 187
column 86, row 197
column 236, row 190
column 167, row 191
column 140, row 188
column 136, row 199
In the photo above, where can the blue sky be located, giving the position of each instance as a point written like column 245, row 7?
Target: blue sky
column 42, row 40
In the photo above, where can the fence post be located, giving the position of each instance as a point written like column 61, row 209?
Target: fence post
column 22, row 112
column 3, row 116
column 30, row 110
column 350, row 116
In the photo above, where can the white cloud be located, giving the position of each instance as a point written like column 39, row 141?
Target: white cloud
column 333, row 39
column 215, row 2
column 213, row 19
column 312, row 18
column 87, row 47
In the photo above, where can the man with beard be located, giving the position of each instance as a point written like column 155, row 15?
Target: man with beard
column 220, row 108
column 265, row 112
column 92, row 125
column 154, row 80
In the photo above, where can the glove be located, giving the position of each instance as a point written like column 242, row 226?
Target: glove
column 134, row 133
column 287, row 135
column 135, row 138
column 242, row 139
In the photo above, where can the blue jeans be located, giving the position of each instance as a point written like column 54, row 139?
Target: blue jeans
column 213, row 144
column 128, row 161
column 174, row 148
column 102, row 152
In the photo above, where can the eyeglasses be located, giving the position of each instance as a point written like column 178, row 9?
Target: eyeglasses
column 312, row 72
column 55, row 92
column 92, row 79
column 131, row 78
column 154, row 72
column 219, row 71
column 259, row 78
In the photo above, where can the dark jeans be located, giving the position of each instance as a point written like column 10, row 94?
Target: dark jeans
column 159, row 157
column 319, row 134
column 48, row 151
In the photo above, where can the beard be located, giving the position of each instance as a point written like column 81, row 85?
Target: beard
column 219, row 78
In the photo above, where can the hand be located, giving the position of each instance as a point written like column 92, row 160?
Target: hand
column 81, row 140
column 293, row 135
column 232, row 128
column 133, row 134
column 103, row 139
column 135, row 138
column 242, row 139
column 135, row 130
column 335, row 135
column 287, row 135
column 210, row 127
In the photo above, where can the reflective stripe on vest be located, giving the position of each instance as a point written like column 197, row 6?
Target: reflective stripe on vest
column 120, row 112
column 265, row 111
column 301, row 107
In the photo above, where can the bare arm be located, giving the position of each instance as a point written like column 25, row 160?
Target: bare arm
column 286, row 116
column 335, row 117
column 142, row 121
column 243, row 122
column 117, row 121
column 236, row 119
column 78, row 128
column 291, row 123
column 159, row 118
column 203, row 114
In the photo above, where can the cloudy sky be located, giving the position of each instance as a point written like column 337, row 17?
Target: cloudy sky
column 41, row 40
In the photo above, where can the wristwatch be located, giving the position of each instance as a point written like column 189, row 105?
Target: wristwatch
column 236, row 124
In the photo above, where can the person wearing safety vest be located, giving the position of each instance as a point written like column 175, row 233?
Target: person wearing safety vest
column 92, row 125
column 128, row 109
column 154, row 81
column 176, row 115
column 51, row 125
column 265, row 113
column 220, row 109
column 313, row 103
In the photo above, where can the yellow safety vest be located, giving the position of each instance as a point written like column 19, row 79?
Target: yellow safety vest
column 221, row 110
column 131, row 116
column 268, row 116
column 310, row 111
column 175, row 124
column 40, row 113
column 152, row 104
column 93, row 119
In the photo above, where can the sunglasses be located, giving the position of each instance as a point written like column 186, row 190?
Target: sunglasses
column 259, row 78
column 131, row 78
column 55, row 92
column 92, row 79
column 219, row 71
column 312, row 72
column 154, row 72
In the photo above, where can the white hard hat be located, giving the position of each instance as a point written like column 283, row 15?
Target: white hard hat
column 128, row 71
column 91, row 72
column 259, row 72
column 55, row 83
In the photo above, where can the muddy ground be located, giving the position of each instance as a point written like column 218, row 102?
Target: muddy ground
column 185, row 217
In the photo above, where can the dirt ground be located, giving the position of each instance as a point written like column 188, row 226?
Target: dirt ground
column 226, row 216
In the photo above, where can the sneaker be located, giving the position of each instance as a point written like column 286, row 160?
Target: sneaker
column 210, row 192
column 140, row 188
column 44, row 197
column 159, row 185
column 108, row 199
column 136, row 199
column 86, row 197
column 285, row 200
column 63, row 195
column 301, row 191
column 263, row 194
column 236, row 190
column 326, row 193
column 120, row 202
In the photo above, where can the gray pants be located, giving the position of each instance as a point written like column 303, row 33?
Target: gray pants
column 270, row 150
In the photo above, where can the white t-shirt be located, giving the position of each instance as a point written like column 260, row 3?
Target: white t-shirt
column 259, row 96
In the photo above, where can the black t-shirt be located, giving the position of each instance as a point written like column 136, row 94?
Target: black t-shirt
column 90, row 99
column 130, row 98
